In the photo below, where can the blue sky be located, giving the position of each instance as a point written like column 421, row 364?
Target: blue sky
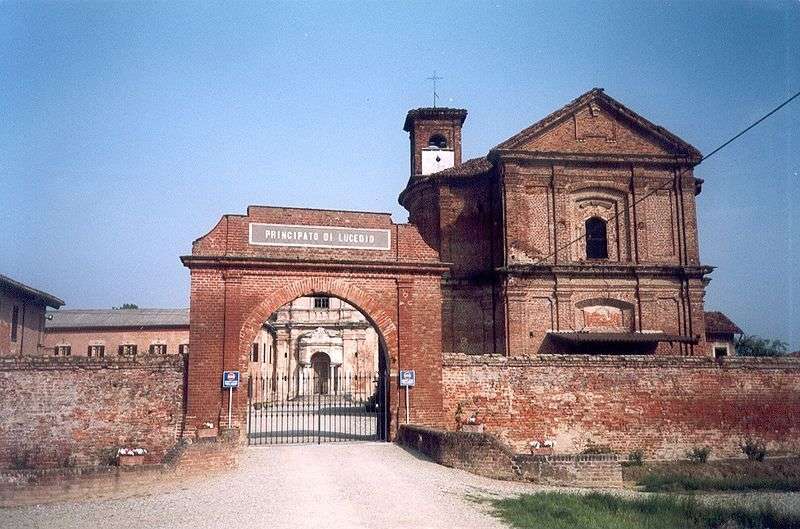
column 128, row 129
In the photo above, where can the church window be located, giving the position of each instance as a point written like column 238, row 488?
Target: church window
column 596, row 239
column 437, row 141
column 254, row 354
column 322, row 303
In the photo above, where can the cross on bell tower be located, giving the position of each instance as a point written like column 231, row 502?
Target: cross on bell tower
column 435, row 78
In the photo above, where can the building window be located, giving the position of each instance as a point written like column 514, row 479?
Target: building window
column 322, row 303
column 127, row 349
column 183, row 349
column 62, row 350
column 596, row 239
column 14, row 322
column 720, row 351
column 98, row 351
column 254, row 354
column 158, row 349
column 264, row 354
column 437, row 141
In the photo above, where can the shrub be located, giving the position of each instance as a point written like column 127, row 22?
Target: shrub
column 758, row 346
column 699, row 454
column 21, row 460
column 754, row 450
column 635, row 458
column 592, row 448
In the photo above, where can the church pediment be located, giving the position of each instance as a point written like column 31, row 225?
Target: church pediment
column 595, row 124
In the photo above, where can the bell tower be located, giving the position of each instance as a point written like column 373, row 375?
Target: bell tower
column 435, row 135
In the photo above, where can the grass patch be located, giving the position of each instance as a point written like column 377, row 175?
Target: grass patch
column 687, row 483
column 780, row 474
column 557, row 510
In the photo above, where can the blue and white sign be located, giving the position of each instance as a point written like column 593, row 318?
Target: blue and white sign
column 230, row 379
column 408, row 378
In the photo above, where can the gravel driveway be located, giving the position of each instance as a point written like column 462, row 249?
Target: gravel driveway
column 354, row 485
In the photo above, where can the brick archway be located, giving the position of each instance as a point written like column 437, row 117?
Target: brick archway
column 238, row 282
column 342, row 289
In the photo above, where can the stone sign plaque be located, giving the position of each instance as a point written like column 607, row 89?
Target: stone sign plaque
column 320, row 236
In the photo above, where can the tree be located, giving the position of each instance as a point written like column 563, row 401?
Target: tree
column 752, row 345
column 126, row 306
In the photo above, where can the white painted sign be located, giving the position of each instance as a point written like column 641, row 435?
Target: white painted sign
column 320, row 236
column 408, row 378
column 230, row 379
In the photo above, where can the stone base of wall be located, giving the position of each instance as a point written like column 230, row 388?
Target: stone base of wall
column 184, row 462
column 483, row 454
column 581, row 470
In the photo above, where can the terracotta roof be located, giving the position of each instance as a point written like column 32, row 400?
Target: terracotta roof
column 597, row 94
column 112, row 318
column 719, row 323
column 8, row 284
column 468, row 169
column 434, row 113
column 472, row 167
column 618, row 337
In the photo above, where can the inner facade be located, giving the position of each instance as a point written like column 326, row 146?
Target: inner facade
column 320, row 338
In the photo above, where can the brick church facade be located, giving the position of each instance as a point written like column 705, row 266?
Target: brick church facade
column 526, row 278
column 552, row 287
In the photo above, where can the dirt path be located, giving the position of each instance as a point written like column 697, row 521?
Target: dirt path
column 359, row 485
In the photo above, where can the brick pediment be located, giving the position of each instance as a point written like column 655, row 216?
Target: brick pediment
column 596, row 125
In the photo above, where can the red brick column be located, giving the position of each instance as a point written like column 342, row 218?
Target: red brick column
column 231, row 359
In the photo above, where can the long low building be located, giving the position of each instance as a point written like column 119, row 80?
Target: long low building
column 119, row 332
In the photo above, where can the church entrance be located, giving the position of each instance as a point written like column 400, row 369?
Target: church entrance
column 321, row 366
column 317, row 373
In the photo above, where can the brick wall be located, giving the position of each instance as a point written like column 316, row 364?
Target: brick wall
column 663, row 406
column 77, row 411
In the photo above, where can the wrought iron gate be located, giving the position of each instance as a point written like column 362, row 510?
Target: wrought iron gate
column 316, row 407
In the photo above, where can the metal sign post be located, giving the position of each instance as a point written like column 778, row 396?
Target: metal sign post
column 230, row 380
column 408, row 379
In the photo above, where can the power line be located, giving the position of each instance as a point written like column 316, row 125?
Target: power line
column 674, row 179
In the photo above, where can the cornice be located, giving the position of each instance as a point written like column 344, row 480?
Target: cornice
column 242, row 262
column 605, row 269
column 523, row 156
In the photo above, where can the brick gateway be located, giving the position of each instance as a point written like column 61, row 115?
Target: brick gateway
column 508, row 326
column 236, row 285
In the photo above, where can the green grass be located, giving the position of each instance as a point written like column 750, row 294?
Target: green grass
column 556, row 510
column 686, row 483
